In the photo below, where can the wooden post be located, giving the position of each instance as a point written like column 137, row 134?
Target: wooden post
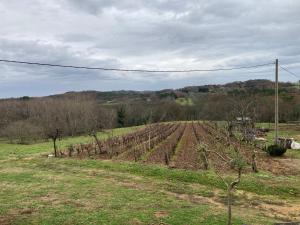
column 276, row 101
column 149, row 139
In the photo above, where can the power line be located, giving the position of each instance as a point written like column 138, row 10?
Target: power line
column 289, row 72
column 134, row 70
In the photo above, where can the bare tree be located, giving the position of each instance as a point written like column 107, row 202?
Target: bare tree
column 54, row 136
column 236, row 162
column 52, row 121
column 99, row 119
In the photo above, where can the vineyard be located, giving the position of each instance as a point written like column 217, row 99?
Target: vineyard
column 177, row 145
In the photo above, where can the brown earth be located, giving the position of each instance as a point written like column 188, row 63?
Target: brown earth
column 177, row 146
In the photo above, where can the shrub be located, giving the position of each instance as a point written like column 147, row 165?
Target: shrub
column 276, row 150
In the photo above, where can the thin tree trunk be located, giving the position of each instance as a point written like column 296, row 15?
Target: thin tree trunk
column 229, row 198
column 229, row 193
column 167, row 158
column 205, row 160
column 71, row 149
column 135, row 155
column 149, row 140
column 54, row 146
column 98, row 142
column 254, row 164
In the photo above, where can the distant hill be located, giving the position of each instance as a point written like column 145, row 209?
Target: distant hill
column 252, row 98
column 262, row 86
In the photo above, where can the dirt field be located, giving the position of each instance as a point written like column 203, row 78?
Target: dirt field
column 175, row 145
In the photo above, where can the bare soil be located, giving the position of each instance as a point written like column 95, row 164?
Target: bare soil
column 176, row 145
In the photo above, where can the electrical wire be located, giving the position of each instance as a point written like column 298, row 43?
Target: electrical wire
column 295, row 75
column 134, row 70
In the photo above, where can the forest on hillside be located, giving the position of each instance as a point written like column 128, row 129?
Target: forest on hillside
column 27, row 119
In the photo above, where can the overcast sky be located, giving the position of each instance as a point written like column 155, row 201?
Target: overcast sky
column 156, row 34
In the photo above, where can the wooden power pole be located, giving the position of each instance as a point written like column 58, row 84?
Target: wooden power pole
column 276, row 101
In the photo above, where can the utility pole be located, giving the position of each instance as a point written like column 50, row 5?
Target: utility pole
column 276, row 101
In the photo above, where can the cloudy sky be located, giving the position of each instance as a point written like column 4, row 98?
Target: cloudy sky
column 133, row 34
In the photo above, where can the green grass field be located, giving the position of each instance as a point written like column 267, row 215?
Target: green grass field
column 40, row 190
column 185, row 101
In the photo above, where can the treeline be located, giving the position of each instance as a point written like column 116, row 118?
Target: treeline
column 216, row 106
column 27, row 119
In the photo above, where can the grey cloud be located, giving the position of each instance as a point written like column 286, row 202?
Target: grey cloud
column 222, row 32
column 98, row 6
column 34, row 51
column 156, row 34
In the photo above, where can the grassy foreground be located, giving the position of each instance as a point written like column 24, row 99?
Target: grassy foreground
column 41, row 190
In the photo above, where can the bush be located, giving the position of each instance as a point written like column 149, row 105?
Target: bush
column 276, row 150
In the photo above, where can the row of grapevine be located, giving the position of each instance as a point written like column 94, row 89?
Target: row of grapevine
column 140, row 149
column 114, row 146
column 164, row 152
column 187, row 156
column 117, row 145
